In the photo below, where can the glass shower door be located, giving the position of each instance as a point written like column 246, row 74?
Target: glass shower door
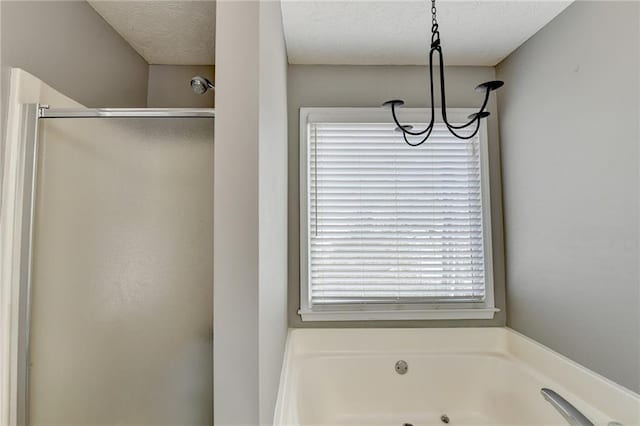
column 122, row 288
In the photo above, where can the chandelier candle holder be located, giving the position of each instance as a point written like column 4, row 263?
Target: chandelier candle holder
column 474, row 119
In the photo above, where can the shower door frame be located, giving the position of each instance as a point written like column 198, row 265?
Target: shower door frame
column 31, row 114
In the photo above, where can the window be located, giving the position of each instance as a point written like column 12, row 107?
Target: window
column 390, row 231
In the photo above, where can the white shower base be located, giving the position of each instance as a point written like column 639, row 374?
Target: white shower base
column 488, row 376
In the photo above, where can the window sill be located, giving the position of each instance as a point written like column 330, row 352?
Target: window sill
column 371, row 315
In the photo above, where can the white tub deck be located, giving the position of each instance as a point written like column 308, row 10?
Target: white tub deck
column 475, row 376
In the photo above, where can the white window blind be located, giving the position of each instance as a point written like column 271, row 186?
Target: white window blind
column 389, row 223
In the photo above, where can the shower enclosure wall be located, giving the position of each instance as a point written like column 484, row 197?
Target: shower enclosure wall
column 116, row 273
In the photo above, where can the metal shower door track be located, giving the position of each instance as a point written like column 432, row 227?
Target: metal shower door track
column 46, row 112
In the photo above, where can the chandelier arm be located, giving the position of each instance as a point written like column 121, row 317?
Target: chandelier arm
column 431, row 121
column 404, row 135
column 470, row 122
column 443, row 96
column 486, row 100
column 430, row 127
column 462, row 126
column 467, row 136
column 453, row 127
column 433, row 105
column 404, row 129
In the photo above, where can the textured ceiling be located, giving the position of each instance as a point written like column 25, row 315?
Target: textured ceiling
column 473, row 32
column 164, row 32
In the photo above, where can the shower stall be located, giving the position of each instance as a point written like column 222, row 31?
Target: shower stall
column 116, row 267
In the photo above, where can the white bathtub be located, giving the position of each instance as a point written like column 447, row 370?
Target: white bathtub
column 488, row 376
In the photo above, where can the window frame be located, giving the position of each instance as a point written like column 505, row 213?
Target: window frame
column 372, row 312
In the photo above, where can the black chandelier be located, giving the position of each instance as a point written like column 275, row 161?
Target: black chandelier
column 474, row 118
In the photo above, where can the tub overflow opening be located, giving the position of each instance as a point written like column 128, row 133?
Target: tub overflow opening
column 402, row 367
column 444, row 419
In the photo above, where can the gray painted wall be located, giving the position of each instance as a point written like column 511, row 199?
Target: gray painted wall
column 569, row 129
column 250, row 206
column 235, row 216
column 70, row 47
column 169, row 86
column 272, row 166
column 370, row 86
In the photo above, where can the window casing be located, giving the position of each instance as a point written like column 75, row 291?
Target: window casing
column 389, row 231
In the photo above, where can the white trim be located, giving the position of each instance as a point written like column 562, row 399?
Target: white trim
column 472, row 310
column 399, row 314
column 304, row 209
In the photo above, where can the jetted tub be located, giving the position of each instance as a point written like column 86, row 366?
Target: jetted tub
column 463, row 376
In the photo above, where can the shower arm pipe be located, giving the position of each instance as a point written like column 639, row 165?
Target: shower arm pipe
column 46, row 112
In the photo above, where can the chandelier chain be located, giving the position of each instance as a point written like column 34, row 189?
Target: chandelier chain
column 434, row 21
